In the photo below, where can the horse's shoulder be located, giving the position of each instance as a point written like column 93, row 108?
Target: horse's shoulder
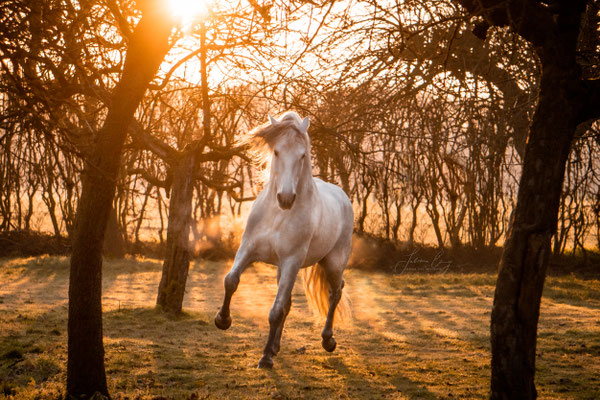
column 258, row 210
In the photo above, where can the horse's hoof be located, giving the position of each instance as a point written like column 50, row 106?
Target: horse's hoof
column 265, row 363
column 329, row 345
column 222, row 323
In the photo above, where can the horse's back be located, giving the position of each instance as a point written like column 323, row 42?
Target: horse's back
column 334, row 227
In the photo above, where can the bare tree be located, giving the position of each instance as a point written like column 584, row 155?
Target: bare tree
column 147, row 47
column 564, row 102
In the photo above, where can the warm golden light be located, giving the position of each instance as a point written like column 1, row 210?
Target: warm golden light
column 187, row 10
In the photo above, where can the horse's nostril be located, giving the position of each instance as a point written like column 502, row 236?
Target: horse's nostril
column 286, row 199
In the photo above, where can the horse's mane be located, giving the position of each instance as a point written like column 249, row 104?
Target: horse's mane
column 264, row 137
column 261, row 140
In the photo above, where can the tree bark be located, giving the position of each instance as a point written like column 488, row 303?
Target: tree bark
column 171, row 289
column 114, row 241
column 85, row 364
column 177, row 260
column 564, row 102
column 523, row 266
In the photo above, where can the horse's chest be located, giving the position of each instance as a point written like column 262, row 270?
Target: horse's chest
column 285, row 235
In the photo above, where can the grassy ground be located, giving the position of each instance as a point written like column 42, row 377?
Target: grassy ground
column 412, row 336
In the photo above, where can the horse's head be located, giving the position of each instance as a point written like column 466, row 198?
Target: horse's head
column 290, row 155
column 288, row 141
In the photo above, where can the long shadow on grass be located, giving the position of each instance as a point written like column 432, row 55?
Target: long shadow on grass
column 340, row 374
column 33, row 349
column 173, row 354
column 417, row 331
column 401, row 341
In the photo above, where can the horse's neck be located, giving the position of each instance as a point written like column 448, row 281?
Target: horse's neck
column 306, row 185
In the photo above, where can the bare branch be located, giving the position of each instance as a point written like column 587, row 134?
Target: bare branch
column 144, row 140
column 150, row 178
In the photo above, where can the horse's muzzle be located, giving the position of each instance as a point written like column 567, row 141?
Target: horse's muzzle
column 286, row 200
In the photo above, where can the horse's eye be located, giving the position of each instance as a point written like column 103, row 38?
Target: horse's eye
column 276, row 153
column 303, row 156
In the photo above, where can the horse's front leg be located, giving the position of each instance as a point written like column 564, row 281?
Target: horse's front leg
column 289, row 271
column 286, row 311
column 232, row 279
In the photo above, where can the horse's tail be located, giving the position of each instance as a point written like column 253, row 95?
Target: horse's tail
column 317, row 289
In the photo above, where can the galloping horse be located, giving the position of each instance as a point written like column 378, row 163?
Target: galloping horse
column 296, row 221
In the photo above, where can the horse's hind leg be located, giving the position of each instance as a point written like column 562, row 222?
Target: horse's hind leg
column 334, row 265
column 335, row 296
column 232, row 279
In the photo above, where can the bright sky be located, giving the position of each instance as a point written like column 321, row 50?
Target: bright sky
column 188, row 10
column 304, row 30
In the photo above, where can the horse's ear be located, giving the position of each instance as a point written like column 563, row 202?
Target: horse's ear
column 272, row 120
column 304, row 125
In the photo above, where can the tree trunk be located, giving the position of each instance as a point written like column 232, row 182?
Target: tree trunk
column 85, row 364
column 140, row 220
column 114, row 242
column 434, row 215
column 364, row 210
column 523, row 266
column 48, row 198
column 415, row 202
column 398, row 203
column 177, row 259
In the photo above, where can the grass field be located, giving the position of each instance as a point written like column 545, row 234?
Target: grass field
column 412, row 336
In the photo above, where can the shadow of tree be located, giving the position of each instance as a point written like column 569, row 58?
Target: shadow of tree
column 413, row 337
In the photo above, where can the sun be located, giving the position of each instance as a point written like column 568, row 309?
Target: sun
column 187, row 10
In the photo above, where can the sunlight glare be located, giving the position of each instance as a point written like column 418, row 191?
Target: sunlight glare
column 187, row 10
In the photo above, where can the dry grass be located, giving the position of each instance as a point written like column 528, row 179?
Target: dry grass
column 413, row 336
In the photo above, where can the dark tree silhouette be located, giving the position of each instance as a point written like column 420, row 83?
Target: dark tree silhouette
column 565, row 101
column 449, row 112
column 148, row 45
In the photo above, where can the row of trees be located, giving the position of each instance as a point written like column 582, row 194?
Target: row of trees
column 424, row 172
column 440, row 165
column 419, row 110
column 432, row 151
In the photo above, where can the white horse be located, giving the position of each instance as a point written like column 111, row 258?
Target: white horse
column 297, row 221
